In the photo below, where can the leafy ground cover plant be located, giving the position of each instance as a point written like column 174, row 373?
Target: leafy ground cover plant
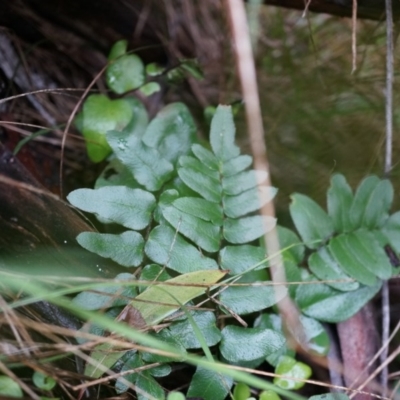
column 182, row 217
column 187, row 209
column 349, row 246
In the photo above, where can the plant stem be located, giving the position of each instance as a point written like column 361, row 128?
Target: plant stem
column 248, row 79
column 388, row 168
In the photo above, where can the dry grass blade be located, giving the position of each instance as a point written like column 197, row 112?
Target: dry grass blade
column 248, row 80
column 69, row 122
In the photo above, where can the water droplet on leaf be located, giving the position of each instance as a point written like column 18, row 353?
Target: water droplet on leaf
column 122, row 144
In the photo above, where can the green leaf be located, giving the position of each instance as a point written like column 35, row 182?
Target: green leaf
column 293, row 274
column 247, row 229
column 352, row 260
column 236, row 165
column 178, row 185
column 247, row 202
column 206, row 322
column 154, row 69
column 376, row 212
column 161, row 371
column 176, row 396
column 107, row 296
column 194, row 165
column 116, row 174
column 164, row 246
column 222, row 134
column 268, row 395
column 340, row 199
column 204, row 234
column 149, row 88
column 287, row 238
column 243, row 181
column 149, row 385
column 166, row 337
column 131, row 208
column 138, row 124
column 370, row 253
column 311, row 221
column 145, row 163
column 247, row 344
column 274, row 322
column 125, row 73
column 209, row 385
column 362, row 199
column 200, row 182
column 102, row 358
column 200, row 208
column 172, row 132
column 154, row 272
column 100, row 115
column 130, row 361
column 159, row 301
column 191, row 66
column 326, row 304
column 241, row 391
column 9, row 388
column 43, row 381
column 316, row 338
column 113, row 313
column 175, row 75
column 391, row 231
column 151, row 273
column 206, row 157
column 125, row 249
column 326, row 268
column 291, row 368
column 247, row 299
column 238, row 259
column 330, row 396
column 118, row 49
column 165, row 200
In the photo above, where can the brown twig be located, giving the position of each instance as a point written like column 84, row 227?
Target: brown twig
column 388, row 167
column 354, row 36
column 69, row 122
column 248, row 80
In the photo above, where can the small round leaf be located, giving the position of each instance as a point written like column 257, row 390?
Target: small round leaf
column 291, row 368
column 125, row 73
column 43, row 381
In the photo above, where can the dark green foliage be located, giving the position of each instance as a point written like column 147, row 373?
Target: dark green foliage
column 125, row 71
column 99, row 115
column 193, row 210
column 326, row 268
column 316, row 339
column 312, row 222
column 107, row 296
column 349, row 246
column 180, row 199
column 169, row 227
column 209, row 385
column 289, row 367
column 146, row 151
column 240, row 344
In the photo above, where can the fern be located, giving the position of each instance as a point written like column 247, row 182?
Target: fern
column 187, row 208
column 347, row 246
column 189, row 214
